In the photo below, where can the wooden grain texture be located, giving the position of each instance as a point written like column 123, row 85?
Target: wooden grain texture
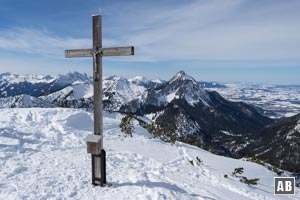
column 97, row 76
column 118, row 51
column 111, row 51
column 76, row 53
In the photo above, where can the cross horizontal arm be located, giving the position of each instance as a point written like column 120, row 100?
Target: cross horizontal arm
column 118, row 51
column 75, row 53
column 112, row 51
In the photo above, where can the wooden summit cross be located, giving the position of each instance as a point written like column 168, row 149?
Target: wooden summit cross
column 95, row 142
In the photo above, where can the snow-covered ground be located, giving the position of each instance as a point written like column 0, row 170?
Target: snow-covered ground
column 43, row 156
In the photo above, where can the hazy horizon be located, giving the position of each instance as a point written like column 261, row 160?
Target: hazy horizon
column 155, row 78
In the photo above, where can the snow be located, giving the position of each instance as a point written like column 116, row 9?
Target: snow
column 183, row 76
column 229, row 133
column 13, row 78
column 160, row 81
column 192, row 101
column 23, row 101
column 123, row 89
column 73, row 92
column 8, row 141
column 143, row 81
column 280, row 101
column 92, row 138
column 43, row 156
column 138, row 78
column 182, row 86
column 297, row 127
column 32, row 78
column 171, row 96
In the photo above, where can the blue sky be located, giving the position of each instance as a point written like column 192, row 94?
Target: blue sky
column 232, row 40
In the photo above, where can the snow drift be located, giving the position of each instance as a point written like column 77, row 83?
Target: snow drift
column 43, row 156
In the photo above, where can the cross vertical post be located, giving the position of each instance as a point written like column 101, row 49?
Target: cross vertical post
column 97, row 165
column 95, row 141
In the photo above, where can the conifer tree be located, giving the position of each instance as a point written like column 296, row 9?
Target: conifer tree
column 126, row 125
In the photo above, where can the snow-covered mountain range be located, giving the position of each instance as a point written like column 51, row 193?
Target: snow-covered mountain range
column 37, row 85
column 181, row 109
column 73, row 90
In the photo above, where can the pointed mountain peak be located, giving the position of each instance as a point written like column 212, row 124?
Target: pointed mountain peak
column 182, row 87
column 181, row 75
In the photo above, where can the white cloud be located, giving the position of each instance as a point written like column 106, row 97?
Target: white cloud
column 217, row 30
column 194, row 30
column 34, row 41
